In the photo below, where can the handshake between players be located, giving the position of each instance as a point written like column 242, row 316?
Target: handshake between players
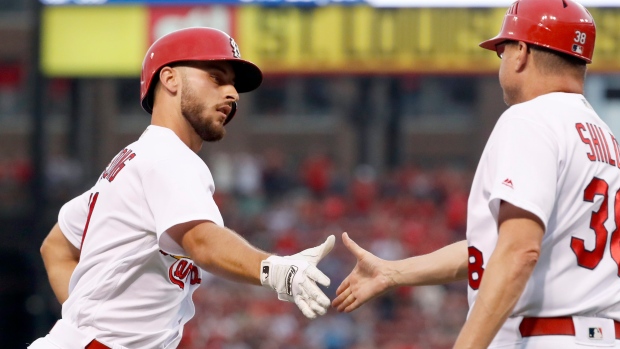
column 294, row 278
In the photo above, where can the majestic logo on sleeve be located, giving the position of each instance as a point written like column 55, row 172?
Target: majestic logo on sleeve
column 117, row 164
column 182, row 271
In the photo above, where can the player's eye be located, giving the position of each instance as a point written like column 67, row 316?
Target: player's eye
column 216, row 78
column 500, row 48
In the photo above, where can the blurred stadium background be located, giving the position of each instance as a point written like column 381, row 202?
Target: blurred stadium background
column 370, row 120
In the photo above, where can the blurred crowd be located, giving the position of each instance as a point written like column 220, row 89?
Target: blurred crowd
column 15, row 176
column 285, row 206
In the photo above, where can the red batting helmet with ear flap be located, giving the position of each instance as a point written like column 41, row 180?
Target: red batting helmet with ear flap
column 196, row 44
column 559, row 25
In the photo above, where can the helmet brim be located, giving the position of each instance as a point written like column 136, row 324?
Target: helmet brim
column 248, row 76
column 492, row 43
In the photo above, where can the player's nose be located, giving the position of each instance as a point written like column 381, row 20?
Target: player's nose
column 230, row 93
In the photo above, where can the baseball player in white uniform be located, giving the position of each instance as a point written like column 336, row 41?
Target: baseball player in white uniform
column 126, row 256
column 542, row 254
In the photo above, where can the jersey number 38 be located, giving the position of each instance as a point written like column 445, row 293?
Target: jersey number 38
column 588, row 259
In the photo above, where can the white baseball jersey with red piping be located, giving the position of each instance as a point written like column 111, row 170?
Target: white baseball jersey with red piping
column 554, row 157
column 132, row 285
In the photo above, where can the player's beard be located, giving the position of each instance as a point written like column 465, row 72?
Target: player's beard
column 210, row 130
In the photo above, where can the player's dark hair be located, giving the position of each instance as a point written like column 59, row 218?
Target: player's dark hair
column 558, row 63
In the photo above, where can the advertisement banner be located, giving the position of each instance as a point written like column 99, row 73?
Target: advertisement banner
column 88, row 41
column 111, row 40
column 362, row 39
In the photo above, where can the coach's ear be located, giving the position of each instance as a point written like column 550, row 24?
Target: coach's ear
column 523, row 56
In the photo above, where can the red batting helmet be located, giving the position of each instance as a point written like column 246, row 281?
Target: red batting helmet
column 196, row 44
column 559, row 25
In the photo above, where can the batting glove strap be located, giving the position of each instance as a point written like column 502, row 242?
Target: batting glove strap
column 279, row 273
column 295, row 280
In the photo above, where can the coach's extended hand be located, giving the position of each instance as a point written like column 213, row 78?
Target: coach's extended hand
column 368, row 279
column 294, row 278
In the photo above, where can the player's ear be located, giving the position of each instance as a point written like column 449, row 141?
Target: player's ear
column 170, row 79
column 523, row 56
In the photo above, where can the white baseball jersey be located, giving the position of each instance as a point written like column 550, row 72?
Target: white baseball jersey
column 132, row 286
column 554, row 157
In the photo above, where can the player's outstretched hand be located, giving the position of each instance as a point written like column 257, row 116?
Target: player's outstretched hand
column 294, row 278
column 367, row 280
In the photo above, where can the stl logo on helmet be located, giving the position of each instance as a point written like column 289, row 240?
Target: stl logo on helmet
column 235, row 48
column 182, row 271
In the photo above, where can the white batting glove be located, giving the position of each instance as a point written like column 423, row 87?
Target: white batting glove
column 294, row 278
